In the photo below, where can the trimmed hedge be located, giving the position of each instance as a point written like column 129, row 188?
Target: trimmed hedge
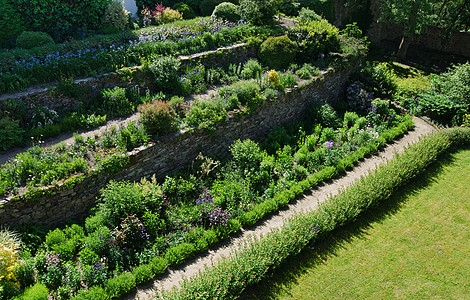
column 256, row 258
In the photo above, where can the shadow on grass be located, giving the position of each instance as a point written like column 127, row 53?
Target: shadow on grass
column 318, row 252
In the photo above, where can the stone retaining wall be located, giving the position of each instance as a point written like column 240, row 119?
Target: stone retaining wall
column 174, row 152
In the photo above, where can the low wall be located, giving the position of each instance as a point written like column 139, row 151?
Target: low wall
column 174, row 152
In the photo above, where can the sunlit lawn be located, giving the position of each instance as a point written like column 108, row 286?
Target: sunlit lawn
column 415, row 246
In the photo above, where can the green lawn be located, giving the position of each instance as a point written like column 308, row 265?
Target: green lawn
column 416, row 245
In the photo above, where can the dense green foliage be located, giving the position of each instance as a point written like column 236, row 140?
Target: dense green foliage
column 315, row 38
column 31, row 39
column 259, row 12
column 448, row 98
column 62, row 19
column 278, row 52
column 227, row 11
column 11, row 23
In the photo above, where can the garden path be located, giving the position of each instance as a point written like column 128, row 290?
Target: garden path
column 308, row 202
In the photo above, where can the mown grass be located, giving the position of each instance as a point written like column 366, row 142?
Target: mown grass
column 415, row 245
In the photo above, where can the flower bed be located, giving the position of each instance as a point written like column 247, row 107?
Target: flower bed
column 191, row 211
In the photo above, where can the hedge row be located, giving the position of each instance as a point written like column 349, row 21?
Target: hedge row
column 126, row 282
column 255, row 260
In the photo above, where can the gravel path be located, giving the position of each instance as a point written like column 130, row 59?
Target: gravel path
column 308, row 202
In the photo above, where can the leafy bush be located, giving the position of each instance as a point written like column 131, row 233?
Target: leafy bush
column 178, row 254
column 204, row 114
column 185, row 10
column 307, row 71
column 11, row 134
column 259, row 12
column 306, row 15
column 314, row 38
column 449, row 95
column 120, row 285
column 278, row 52
column 246, row 92
column 38, row 291
column 118, row 199
column 94, row 293
column 116, row 18
column 158, row 117
column 31, row 39
column 130, row 234
column 170, row 15
column 165, row 72
column 115, row 102
column 226, row 11
column 11, row 23
column 159, row 265
column 75, row 19
column 379, row 79
column 142, row 274
column 24, row 273
column 287, row 80
column 251, row 69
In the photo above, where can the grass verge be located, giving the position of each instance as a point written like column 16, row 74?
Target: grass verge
column 414, row 245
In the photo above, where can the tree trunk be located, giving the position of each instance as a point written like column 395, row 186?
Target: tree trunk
column 408, row 32
column 403, row 48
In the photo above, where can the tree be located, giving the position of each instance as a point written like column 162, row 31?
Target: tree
column 415, row 14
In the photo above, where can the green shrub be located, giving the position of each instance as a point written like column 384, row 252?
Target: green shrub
column 176, row 255
column 165, row 73
column 62, row 19
column 185, row 10
column 169, row 15
column 246, row 92
column 24, row 273
column 31, row 39
column 259, row 12
column 120, row 285
column 204, row 114
column 378, row 78
column 278, row 52
column 449, row 96
column 287, row 80
column 251, row 69
column 158, row 117
column 11, row 23
column 314, row 38
column 159, row 265
column 38, row 291
column 307, row 71
column 226, row 11
column 11, row 134
column 349, row 119
column 115, row 19
column 306, row 15
column 94, row 293
column 97, row 242
column 115, row 103
column 142, row 274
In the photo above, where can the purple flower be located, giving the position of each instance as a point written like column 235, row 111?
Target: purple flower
column 329, row 144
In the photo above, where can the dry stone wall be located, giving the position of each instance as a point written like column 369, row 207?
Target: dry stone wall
column 174, row 152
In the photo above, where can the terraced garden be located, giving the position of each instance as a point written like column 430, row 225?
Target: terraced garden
column 165, row 153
